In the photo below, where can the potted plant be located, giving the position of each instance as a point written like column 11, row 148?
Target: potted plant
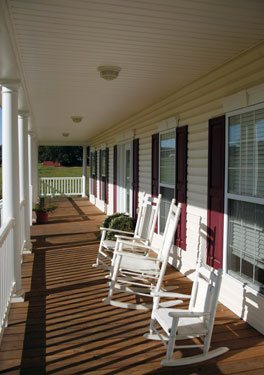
column 118, row 221
column 42, row 211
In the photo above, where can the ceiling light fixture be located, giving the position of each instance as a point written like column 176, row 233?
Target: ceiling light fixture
column 76, row 119
column 109, row 72
column 65, row 134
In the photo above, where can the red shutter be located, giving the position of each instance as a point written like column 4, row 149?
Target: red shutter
column 216, row 184
column 155, row 165
column 115, row 178
column 181, row 182
column 106, row 174
column 135, row 176
column 95, row 182
column 100, row 174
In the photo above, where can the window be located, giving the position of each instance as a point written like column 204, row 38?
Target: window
column 166, row 174
column 245, row 196
column 103, row 175
column 125, row 178
column 93, row 166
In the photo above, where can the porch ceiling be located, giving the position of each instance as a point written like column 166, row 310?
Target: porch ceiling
column 160, row 45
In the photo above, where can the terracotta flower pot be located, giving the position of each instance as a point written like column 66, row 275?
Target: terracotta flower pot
column 42, row 217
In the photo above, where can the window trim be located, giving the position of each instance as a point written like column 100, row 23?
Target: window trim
column 121, row 149
column 238, row 197
column 163, row 184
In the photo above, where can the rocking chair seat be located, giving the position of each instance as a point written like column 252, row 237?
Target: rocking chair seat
column 142, row 264
column 187, row 327
column 109, row 244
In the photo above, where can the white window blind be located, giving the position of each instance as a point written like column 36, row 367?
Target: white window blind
column 246, row 179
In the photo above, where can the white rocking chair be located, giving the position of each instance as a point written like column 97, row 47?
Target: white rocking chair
column 144, row 230
column 196, row 321
column 140, row 274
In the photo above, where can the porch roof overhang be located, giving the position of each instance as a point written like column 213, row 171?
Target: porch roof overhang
column 55, row 48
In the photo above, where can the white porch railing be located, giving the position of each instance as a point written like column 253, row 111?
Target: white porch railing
column 7, row 279
column 57, row 186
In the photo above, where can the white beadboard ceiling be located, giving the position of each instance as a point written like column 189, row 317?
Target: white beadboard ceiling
column 160, row 45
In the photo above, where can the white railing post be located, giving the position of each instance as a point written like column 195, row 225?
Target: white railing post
column 23, row 179
column 84, row 172
column 10, row 171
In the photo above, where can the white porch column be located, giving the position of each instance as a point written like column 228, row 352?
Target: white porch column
column 30, row 177
column 24, row 176
column 10, row 172
column 84, row 172
column 33, row 171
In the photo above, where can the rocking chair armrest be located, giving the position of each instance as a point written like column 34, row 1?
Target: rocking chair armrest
column 116, row 231
column 134, row 244
column 170, row 294
column 188, row 314
column 134, row 239
column 137, row 256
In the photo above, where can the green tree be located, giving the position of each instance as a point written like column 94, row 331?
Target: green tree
column 66, row 155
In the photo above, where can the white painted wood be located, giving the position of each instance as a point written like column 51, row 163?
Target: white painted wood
column 137, row 273
column 60, row 186
column 24, row 177
column 143, row 234
column 195, row 321
column 10, row 171
column 6, row 270
column 156, row 58
column 84, row 172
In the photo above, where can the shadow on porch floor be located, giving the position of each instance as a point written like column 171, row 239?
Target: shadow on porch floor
column 63, row 327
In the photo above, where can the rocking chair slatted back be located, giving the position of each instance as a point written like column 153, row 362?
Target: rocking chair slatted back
column 144, row 230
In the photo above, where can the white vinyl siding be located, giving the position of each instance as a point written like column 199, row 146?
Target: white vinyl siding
column 245, row 197
column 194, row 105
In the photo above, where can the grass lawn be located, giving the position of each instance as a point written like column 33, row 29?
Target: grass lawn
column 48, row 171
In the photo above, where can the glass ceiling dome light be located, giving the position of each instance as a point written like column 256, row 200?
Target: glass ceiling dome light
column 76, row 119
column 109, row 72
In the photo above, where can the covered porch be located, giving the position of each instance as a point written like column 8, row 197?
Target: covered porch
column 63, row 327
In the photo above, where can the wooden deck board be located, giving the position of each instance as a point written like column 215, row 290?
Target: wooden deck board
column 63, row 327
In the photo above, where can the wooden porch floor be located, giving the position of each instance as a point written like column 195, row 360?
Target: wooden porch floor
column 63, row 327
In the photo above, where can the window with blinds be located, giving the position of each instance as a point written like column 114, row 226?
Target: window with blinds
column 93, row 172
column 103, row 174
column 166, row 174
column 245, row 197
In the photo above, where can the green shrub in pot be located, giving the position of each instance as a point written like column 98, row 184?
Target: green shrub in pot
column 120, row 222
